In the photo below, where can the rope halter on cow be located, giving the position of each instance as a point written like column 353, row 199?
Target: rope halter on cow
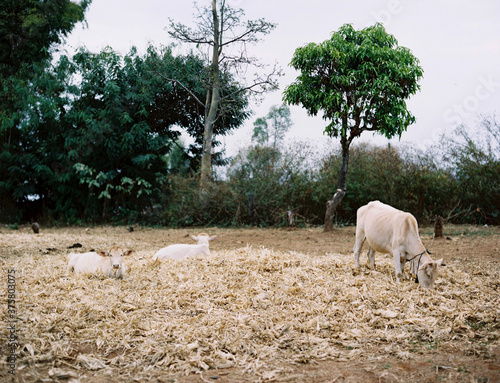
column 418, row 264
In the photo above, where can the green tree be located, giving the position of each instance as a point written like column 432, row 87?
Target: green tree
column 178, row 160
column 124, row 112
column 279, row 123
column 222, row 31
column 360, row 80
column 94, row 132
column 260, row 131
column 29, row 32
column 117, row 155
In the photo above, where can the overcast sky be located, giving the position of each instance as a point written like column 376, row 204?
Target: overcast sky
column 456, row 41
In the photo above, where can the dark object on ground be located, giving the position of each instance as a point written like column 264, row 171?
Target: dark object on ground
column 75, row 246
column 438, row 227
column 131, row 229
column 36, row 228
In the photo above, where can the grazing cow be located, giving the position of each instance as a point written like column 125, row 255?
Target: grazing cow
column 108, row 263
column 388, row 230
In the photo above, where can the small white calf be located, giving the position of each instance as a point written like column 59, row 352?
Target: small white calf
column 108, row 263
column 182, row 251
column 388, row 230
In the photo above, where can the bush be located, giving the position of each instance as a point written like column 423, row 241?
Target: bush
column 459, row 180
column 184, row 204
column 475, row 163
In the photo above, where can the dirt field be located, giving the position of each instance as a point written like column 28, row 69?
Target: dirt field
column 282, row 305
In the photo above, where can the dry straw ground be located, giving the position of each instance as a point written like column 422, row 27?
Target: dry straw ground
column 267, row 305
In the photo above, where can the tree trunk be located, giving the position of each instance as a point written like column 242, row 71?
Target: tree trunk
column 206, row 155
column 331, row 205
column 211, row 116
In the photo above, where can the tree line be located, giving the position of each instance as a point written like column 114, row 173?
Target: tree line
column 94, row 137
column 458, row 179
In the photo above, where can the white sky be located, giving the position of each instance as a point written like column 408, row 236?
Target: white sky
column 456, row 41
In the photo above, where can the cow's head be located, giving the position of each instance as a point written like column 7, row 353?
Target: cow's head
column 428, row 272
column 115, row 255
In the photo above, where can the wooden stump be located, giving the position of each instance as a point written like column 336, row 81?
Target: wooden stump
column 291, row 218
column 438, row 227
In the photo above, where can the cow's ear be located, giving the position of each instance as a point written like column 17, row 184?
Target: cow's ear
column 440, row 262
column 212, row 238
column 194, row 237
column 102, row 253
column 128, row 252
column 423, row 266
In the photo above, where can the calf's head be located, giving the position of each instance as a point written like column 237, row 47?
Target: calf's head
column 115, row 255
column 203, row 238
column 428, row 272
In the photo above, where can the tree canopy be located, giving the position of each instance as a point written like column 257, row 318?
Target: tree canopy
column 29, row 32
column 29, row 29
column 359, row 80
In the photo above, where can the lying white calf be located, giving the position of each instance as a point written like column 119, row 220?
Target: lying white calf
column 182, row 251
column 108, row 263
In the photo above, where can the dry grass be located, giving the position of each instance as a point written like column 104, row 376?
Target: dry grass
column 251, row 308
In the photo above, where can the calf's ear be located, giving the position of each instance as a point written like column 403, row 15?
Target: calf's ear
column 440, row 262
column 194, row 237
column 102, row 253
column 212, row 238
column 128, row 252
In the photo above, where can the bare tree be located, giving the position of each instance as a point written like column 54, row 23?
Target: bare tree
column 222, row 37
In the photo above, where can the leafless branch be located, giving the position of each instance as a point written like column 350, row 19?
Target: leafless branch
column 183, row 87
column 458, row 213
column 188, row 35
column 254, row 27
column 264, row 83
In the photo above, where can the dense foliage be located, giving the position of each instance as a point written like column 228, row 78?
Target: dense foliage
column 359, row 80
column 96, row 133
column 29, row 30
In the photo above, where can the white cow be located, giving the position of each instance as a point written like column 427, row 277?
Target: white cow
column 108, row 263
column 181, row 251
column 388, row 230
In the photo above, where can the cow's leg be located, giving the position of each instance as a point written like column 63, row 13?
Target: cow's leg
column 397, row 264
column 403, row 263
column 371, row 258
column 360, row 238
